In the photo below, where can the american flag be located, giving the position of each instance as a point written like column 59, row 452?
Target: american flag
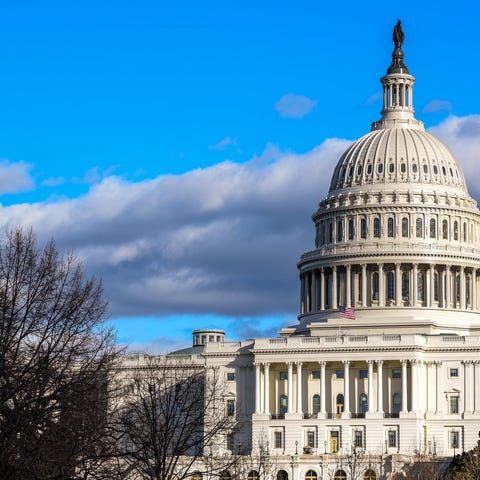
column 347, row 313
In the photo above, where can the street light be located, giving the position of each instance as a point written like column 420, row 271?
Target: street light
column 325, row 444
column 296, row 447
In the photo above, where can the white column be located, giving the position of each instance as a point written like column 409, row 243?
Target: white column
column 290, row 387
column 322, row 289
column 448, row 285
column 380, row 385
column 364, row 284
column 323, row 391
column 474, row 288
column 348, row 286
column 334, row 287
column 346, row 387
column 299, row 387
column 414, row 386
column 370, row 387
column 257, row 387
column 415, row 284
column 432, row 285
column 308, row 298
column 398, row 285
column 431, row 384
column 404, row 386
column 469, row 386
column 381, row 287
column 476, row 397
column 439, row 408
column 266, row 388
column 462, row 288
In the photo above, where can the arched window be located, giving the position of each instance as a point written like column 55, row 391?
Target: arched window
column 376, row 227
column 390, row 286
column 363, row 227
column 455, row 230
column 225, row 475
column 197, row 476
column 340, row 404
column 363, row 403
column 391, row 227
column 283, row 404
column 340, row 475
column 405, row 227
column 316, row 403
column 396, row 403
column 340, row 231
column 445, row 230
column 380, row 168
column 311, row 475
column 282, row 475
column 419, row 228
column 433, row 228
column 369, row 475
column 351, row 229
column 253, row 475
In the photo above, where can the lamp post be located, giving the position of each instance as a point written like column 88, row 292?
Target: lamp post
column 296, row 447
column 325, row 444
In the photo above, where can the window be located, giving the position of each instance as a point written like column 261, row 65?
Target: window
column 339, row 231
column 403, row 168
column 230, row 376
column 391, row 167
column 339, row 373
column 230, row 442
column 358, row 438
column 282, row 475
column 363, row 403
column 375, row 286
column 435, row 169
column 405, row 227
column 197, row 476
column 414, row 168
column 369, row 475
column 316, row 374
column 330, row 232
column 311, row 475
column 390, row 286
column 359, row 170
column 445, row 230
column 369, row 168
column 230, row 407
column 316, row 403
column 454, row 439
column 283, row 375
column 390, row 227
column 396, row 403
column 425, row 168
column 363, row 227
column 405, row 286
column 454, row 401
column 433, row 228
column 380, row 168
column 455, row 230
column 225, row 475
column 392, row 438
column 211, row 338
column 340, row 475
column 351, row 229
column 376, row 227
column 278, row 439
column 396, row 373
column 453, row 372
column 283, row 404
column 253, row 475
column 311, row 438
column 419, row 228
column 363, row 374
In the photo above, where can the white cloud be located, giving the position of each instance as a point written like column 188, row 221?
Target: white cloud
column 15, row 177
column 224, row 143
column 294, row 106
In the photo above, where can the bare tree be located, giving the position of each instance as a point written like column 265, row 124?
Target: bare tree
column 55, row 357
column 173, row 422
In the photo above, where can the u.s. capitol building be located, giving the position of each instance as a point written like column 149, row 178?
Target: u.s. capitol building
column 385, row 355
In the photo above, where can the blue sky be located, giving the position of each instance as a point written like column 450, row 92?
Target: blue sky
column 180, row 147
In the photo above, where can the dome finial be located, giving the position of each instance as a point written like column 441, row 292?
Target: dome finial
column 398, row 66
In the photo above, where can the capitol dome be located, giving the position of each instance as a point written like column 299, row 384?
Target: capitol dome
column 397, row 238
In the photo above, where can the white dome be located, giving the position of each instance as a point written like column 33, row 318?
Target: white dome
column 399, row 157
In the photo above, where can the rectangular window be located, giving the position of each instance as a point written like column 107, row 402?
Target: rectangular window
column 396, row 373
column 278, row 439
column 311, row 439
column 454, row 404
column 283, row 375
column 392, row 438
column 230, row 442
column 454, row 439
column 230, row 376
column 315, row 374
column 453, row 373
column 363, row 374
column 339, row 373
column 358, row 438
column 230, row 407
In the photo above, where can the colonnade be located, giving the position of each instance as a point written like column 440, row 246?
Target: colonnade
column 389, row 284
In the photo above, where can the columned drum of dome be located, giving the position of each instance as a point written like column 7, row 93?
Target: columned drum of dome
column 398, row 234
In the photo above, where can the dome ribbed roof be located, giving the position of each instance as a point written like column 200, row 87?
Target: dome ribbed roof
column 398, row 156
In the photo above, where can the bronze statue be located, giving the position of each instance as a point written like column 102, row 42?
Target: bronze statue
column 398, row 35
